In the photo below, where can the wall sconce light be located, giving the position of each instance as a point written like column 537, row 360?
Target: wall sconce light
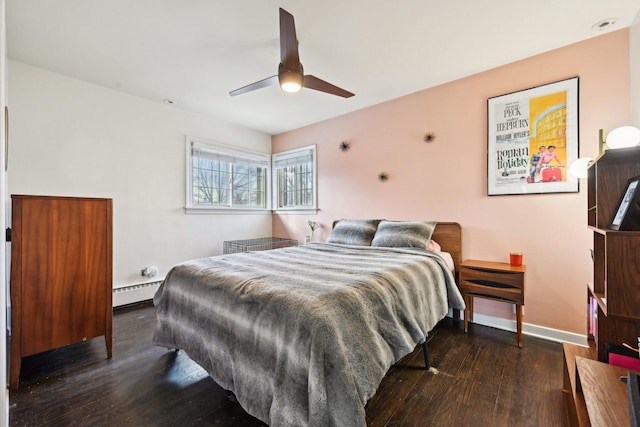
column 578, row 167
column 622, row 137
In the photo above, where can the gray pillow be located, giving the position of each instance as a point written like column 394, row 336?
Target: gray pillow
column 404, row 234
column 357, row 232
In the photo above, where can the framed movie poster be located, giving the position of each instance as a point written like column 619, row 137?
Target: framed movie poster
column 532, row 138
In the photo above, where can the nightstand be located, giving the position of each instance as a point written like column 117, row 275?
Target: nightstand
column 497, row 281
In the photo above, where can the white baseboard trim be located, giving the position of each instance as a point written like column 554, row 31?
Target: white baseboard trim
column 543, row 332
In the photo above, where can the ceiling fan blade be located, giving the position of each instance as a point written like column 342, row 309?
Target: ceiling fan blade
column 289, row 56
column 312, row 82
column 257, row 85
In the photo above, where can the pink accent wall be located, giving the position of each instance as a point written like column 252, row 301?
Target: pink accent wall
column 446, row 180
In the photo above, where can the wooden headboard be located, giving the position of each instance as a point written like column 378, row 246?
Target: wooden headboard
column 449, row 236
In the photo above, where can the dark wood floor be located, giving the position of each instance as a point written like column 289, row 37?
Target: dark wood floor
column 483, row 379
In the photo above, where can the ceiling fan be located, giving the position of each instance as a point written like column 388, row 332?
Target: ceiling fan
column 290, row 73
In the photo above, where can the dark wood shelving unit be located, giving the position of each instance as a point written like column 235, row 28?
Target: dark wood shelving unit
column 593, row 392
column 616, row 254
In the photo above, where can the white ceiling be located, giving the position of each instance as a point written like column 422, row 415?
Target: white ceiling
column 195, row 51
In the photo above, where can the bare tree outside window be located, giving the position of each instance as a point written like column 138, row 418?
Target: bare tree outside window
column 248, row 185
column 226, row 181
column 211, row 181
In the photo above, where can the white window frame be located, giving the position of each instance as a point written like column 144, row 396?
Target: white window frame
column 276, row 196
column 234, row 154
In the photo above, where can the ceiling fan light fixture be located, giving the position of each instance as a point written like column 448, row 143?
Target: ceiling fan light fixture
column 290, row 86
column 290, row 81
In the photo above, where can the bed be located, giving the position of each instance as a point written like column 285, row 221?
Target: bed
column 304, row 335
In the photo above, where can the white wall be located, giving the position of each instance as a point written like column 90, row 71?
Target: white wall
column 72, row 138
column 634, row 59
column 4, row 396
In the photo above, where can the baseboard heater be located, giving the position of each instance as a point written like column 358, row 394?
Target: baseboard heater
column 135, row 293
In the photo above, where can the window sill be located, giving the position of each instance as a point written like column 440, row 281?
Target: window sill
column 225, row 211
column 311, row 211
column 248, row 211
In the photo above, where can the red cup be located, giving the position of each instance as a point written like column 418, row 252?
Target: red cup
column 515, row 259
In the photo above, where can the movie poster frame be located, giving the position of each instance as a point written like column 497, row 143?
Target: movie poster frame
column 507, row 143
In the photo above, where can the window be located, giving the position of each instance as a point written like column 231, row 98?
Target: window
column 224, row 178
column 294, row 183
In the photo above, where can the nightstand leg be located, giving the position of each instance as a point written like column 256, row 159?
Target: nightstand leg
column 467, row 310
column 519, row 323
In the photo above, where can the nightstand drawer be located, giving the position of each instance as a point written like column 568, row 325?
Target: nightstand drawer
column 492, row 290
column 501, row 277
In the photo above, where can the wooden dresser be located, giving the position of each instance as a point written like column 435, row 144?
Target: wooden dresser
column 61, row 274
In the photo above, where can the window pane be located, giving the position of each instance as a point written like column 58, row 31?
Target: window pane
column 210, row 181
column 295, row 181
column 220, row 176
column 248, row 180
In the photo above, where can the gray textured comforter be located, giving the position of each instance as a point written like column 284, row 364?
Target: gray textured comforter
column 304, row 335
